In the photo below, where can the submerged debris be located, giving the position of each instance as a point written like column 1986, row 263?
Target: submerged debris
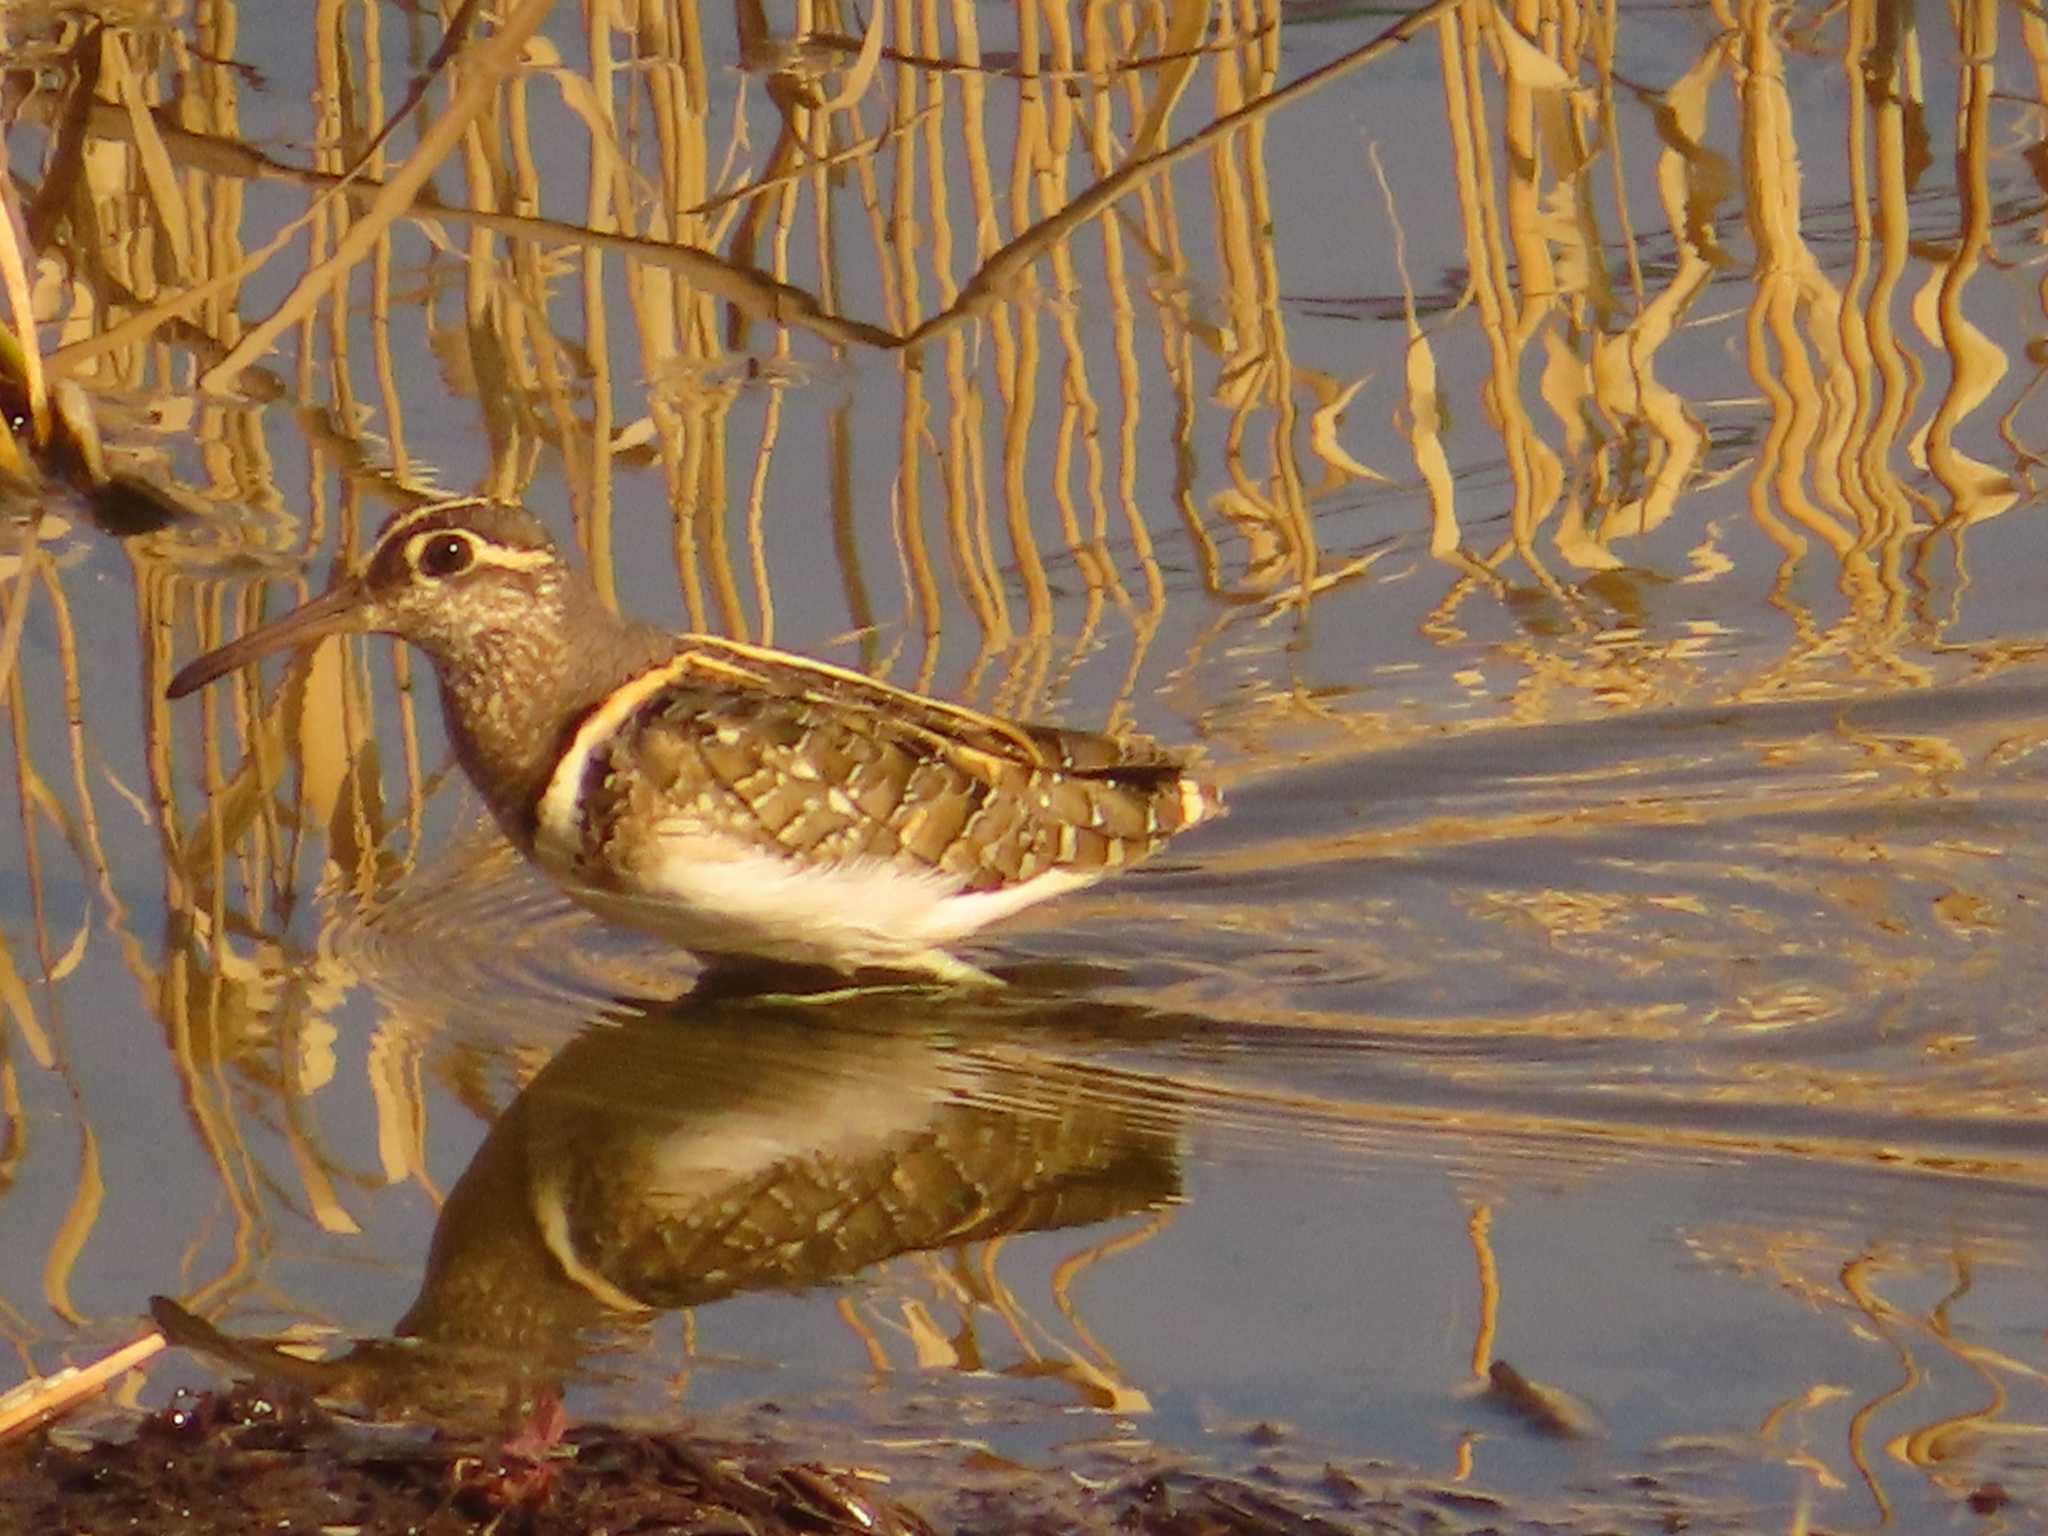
column 1546, row 1408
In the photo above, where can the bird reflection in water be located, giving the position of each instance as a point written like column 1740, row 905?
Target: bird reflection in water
column 718, row 1146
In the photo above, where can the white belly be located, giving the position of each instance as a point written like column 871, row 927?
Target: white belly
column 714, row 896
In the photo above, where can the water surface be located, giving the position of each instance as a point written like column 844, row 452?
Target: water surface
column 1574, row 474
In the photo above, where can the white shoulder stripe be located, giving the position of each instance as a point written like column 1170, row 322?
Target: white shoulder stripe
column 558, row 830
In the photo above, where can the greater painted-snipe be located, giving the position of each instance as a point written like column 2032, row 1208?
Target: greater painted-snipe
column 751, row 805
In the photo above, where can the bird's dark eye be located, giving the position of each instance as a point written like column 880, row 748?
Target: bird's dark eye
column 446, row 554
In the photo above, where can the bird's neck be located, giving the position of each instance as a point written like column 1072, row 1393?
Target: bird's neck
column 514, row 694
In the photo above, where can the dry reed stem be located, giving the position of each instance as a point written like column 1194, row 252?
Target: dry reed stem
column 37, row 1402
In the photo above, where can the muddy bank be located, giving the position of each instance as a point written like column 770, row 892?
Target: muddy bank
column 251, row 1459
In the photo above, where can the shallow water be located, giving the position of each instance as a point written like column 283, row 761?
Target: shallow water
column 1600, row 560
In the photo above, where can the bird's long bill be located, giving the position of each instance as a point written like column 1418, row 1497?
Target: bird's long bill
column 345, row 608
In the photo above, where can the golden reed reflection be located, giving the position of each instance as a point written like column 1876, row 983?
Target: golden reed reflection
column 1950, row 1396
column 670, row 1158
column 1575, row 302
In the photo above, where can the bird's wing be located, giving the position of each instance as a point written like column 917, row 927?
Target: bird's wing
column 760, row 669
column 774, row 753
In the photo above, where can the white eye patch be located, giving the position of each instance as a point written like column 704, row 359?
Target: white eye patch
column 481, row 552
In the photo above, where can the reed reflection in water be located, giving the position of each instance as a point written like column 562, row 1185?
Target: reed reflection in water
column 1576, row 472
